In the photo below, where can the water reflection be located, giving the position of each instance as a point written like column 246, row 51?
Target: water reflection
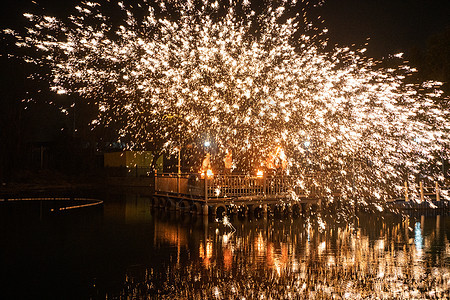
column 371, row 257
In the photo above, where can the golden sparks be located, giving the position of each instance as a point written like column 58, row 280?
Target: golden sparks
column 252, row 78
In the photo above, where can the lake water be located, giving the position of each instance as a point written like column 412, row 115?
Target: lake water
column 127, row 250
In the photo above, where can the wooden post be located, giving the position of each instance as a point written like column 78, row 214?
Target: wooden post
column 264, row 208
column 406, row 224
column 179, row 161
column 205, row 209
column 438, row 192
column 264, row 185
column 438, row 222
column 248, row 210
column 406, row 191
column 206, row 187
column 179, row 170
column 156, row 180
column 421, row 191
column 422, row 223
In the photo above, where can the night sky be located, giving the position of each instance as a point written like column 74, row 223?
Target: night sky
column 392, row 25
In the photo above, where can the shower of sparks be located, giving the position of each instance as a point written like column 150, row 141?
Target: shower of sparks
column 251, row 78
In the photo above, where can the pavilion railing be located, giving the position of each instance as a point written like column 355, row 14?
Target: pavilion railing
column 306, row 185
column 229, row 186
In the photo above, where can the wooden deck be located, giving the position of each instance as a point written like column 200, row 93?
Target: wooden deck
column 225, row 191
column 195, row 193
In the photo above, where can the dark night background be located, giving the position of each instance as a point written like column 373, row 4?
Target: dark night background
column 419, row 28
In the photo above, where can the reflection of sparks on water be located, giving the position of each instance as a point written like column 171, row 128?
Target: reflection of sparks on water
column 201, row 62
column 227, row 258
column 260, row 245
column 206, row 253
column 227, row 223
column 418, row 240
column 321, row 248
column 340, row 264
column 379, row 245
column 216, row 292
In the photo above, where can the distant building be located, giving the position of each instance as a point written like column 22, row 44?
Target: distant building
column 131, row 163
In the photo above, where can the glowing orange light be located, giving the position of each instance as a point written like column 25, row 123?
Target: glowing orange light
column 259, row 174
column 209, row 173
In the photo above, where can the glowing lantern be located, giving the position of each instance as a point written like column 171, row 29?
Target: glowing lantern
column 259, row 174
